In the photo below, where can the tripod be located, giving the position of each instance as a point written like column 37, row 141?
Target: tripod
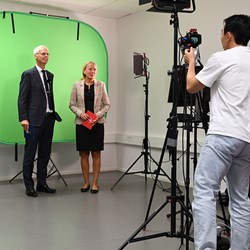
column 53, row 169
column 145, row 152
column 170, row 143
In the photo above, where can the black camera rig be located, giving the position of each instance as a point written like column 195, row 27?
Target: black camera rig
column 191, row 39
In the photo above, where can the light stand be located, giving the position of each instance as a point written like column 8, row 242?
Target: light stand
column 170, row 143
column 145, row 153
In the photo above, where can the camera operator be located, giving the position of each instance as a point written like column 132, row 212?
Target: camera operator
column 226, row 150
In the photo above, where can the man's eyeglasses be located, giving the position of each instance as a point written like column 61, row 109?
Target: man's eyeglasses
column 44, row 54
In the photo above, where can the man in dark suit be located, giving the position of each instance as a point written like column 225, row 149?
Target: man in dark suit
column 37, row 116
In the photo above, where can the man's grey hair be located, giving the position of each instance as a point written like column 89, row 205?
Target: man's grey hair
column 39, row 48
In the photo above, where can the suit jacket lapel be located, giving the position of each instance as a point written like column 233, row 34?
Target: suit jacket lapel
column 37, row 76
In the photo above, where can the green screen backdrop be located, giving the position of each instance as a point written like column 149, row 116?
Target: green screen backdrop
column 71, row 43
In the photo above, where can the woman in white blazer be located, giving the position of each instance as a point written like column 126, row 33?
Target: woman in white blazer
column 89, row 95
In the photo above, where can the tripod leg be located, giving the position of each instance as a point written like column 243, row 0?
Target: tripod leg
column 226, row 221
column 51, row 172
column 15, row 176
column 127, row 171
column 156, row 177
column 132, row 237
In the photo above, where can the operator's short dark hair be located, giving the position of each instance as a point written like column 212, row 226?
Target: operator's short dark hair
column 239, row 26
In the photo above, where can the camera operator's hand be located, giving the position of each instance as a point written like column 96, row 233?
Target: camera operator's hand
column 189, row 56
column 193, row 85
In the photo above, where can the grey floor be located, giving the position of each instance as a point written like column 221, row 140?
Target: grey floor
column 71, row 220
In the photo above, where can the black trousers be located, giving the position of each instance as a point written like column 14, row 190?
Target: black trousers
column 40, row 141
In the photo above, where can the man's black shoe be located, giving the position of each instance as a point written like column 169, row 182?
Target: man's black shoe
column 45, row 188
column 31, row 192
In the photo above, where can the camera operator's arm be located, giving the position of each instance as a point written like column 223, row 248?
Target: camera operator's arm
column 193, row 85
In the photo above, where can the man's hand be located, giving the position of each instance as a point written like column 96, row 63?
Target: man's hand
column 193, row 85
column 189, row 56
column 25, row 124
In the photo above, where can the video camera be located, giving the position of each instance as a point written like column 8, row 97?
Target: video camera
column 192, row 39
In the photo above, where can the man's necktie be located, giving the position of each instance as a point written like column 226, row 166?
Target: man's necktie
column 48, row 90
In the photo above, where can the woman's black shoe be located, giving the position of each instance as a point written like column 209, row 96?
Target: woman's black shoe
column 83, row 190
column 94, row 191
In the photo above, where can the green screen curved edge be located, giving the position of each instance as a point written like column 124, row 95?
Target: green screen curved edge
column 71, row 43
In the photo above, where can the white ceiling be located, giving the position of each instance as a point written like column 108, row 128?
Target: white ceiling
column 102, row 8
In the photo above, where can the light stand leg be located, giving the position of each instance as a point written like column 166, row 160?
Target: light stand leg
column 127, row 171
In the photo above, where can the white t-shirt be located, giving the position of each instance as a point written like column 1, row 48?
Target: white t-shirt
column 227, row 73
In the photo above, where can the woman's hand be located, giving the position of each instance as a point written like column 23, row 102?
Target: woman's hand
column 94, row 121
column 84, row 116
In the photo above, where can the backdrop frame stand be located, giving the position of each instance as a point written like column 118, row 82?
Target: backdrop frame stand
column 53, row 169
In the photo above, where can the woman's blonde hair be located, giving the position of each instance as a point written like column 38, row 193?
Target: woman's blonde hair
column 84, row 67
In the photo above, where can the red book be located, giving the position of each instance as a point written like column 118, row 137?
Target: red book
column 89, row 122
